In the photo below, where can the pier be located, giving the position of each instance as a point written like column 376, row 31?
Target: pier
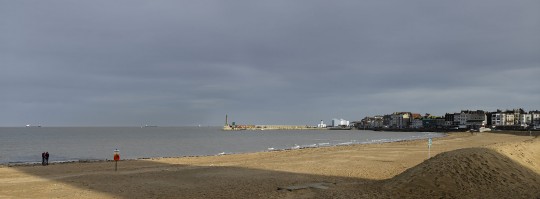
column 269, row 127
column 239, row 127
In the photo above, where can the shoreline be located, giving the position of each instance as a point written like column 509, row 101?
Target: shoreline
column 297, row 147
column 445, row 134
column 461, row 165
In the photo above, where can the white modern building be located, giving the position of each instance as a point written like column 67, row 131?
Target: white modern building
column 339, row 122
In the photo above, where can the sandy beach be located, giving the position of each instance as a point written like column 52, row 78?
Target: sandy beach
column 462, row 165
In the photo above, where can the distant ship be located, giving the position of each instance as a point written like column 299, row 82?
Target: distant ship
column 148, row 126
column 28, row 125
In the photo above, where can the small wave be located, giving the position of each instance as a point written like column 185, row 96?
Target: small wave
column 309, row 146
column 347, row 143
column 19, row 162
column 323, row 144
column 384, row 140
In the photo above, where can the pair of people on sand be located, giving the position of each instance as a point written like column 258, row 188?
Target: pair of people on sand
column 45, row 158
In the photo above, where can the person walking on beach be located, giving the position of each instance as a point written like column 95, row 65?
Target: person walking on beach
column 43, row 158
column 47, row 158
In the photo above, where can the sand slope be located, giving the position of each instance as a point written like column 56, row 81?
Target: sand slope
column 499, row 171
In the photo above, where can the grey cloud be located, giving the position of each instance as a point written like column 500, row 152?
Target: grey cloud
column 190, row 62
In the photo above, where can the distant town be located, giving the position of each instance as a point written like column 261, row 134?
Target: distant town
column 475, row 120
column 516, row 119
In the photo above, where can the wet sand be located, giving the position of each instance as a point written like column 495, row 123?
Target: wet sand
column 462, row 165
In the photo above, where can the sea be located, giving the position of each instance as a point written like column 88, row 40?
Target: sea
column 24, row 145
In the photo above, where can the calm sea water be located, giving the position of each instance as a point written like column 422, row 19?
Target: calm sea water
column 25, row 145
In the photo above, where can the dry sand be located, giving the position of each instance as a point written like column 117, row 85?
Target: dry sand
column 485, row 165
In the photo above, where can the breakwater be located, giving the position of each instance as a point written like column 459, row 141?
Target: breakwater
column 270, row 127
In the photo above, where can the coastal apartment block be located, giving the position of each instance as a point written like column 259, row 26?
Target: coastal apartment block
column 372, row 122
column 535, row 118
column 402, row 120
column 465, row 119
column 515, row 117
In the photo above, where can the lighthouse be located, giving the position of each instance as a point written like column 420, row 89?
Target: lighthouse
column 321, row 125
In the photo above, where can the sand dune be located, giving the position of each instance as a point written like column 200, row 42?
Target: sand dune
column 502, row 171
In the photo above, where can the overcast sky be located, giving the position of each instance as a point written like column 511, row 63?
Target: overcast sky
column 170, row 63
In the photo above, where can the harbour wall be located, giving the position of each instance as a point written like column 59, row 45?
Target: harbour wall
column 270, row 127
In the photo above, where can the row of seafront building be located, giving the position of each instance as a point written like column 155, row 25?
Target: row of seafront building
column 466, row 119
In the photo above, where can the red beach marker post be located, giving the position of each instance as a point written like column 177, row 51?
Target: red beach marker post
column 116, row 159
